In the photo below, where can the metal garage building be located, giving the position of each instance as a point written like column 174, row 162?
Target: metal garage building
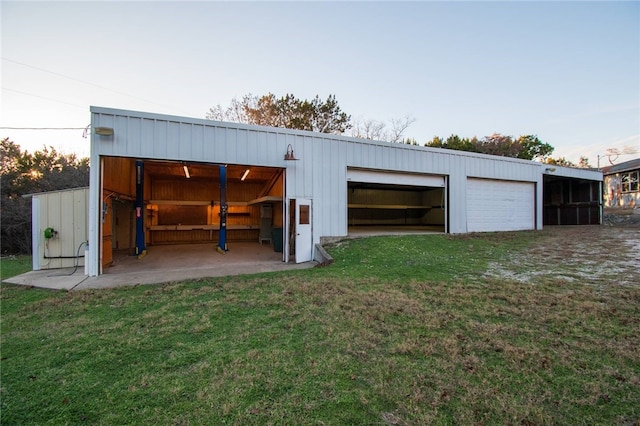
column 156, row 179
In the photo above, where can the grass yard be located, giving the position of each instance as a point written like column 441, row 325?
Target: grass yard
column 408, row 330
column 10, row 266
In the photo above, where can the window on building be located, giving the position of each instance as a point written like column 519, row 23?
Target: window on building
column 629, row 181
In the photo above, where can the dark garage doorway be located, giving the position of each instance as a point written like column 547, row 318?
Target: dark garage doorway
column 569, row 201
column 390, row 208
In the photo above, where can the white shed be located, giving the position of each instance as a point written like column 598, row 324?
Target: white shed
column 158, row 179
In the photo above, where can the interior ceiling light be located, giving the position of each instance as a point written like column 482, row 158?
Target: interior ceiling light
column 244, row 175
column 186, row 171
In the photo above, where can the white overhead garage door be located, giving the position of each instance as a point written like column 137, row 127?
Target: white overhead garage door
column 415, row 179
column 498, row 205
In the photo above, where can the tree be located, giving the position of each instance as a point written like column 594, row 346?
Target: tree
column 368, row 129
column 234, row 112
column 498, row 144
column 288, row 111
column 436, row 142
column 560, row 161
column 24, row 173
column 314, row 115
column 527, row 147
column 612, row 154
column 461, row 144
column 380, row 131
column 532, row 148
column 454, row 142
column 584, row 163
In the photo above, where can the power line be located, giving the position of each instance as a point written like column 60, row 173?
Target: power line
column 83, row 82
column 43, row 97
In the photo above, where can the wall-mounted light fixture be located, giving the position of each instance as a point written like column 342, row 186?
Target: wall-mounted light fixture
column 550, row 169
column 244, row 175
column 186, row 171
column 103, row 131
column 289, row 155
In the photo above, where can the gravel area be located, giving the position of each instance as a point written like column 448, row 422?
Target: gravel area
column 593, row 255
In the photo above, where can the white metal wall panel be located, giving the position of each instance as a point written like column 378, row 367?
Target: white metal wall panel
column 320, row 172
column 66, row 212
column 498, row 205
column 35, row 233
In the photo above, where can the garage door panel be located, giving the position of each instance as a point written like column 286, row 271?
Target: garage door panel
column 495, row 205
column 415, row 179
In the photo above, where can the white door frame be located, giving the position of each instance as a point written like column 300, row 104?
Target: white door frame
column 301, row 233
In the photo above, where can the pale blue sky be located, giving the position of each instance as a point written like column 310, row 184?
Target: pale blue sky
column 568, row 72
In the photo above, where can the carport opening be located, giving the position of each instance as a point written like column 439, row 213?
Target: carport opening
column 388, row 208
column 182, row 206
column 570, row 201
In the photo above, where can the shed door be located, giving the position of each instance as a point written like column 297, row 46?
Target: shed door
column 304, row 240
column 498, row 205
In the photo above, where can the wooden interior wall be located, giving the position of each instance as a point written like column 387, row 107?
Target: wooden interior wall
column 373, row 206
column 124, row 226
column 190, row 211
column 118, row 184
column 188, row 204
column 277, row 190
column 435, row 199
column 106, row 216
column 119, row 176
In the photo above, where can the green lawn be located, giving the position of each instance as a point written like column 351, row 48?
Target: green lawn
column 11, row 266
column 399, row 331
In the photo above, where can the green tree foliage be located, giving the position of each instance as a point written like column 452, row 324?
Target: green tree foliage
column 287, row 111
column 527, row 147
column 560, row 161
column 583, row 163
column 24, row 173
column 532, row 148
column 453, row 142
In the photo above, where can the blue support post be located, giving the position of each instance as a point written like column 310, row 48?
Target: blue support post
column 141, row 248
column 222, row 237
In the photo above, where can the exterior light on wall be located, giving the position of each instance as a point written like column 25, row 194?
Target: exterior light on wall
column 244, row 175
column 289, row 155
column 186, row 171
column 103, row 131
column 550, row 169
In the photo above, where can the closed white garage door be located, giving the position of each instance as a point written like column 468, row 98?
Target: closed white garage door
column 498, row 205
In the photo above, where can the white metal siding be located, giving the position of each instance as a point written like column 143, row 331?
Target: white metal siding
column 65, row 212
column 319, row 174
column 35, row 233
column 498, row 205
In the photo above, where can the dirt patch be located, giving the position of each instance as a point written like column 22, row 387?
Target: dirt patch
column 593, row 255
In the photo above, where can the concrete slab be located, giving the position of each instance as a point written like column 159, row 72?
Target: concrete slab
column 165, row 264
column 55, row 279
